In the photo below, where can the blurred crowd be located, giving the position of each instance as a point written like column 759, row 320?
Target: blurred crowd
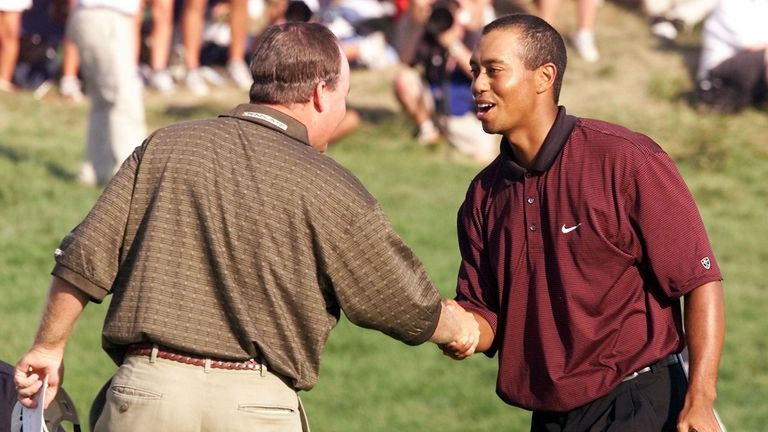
column 167, row 46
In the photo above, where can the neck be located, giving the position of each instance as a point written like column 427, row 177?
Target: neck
column 527, row 140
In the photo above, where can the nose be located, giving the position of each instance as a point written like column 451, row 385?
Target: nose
column 479, row 84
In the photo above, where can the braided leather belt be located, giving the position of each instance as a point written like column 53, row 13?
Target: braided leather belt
column 666, row 361
column 191, row 359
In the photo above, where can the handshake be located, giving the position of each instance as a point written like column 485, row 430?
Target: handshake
column 458, row 332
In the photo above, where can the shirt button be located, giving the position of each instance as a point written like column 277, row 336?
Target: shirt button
column 532, row 227
column 123, row 407
column 530, row 200
column 527, row 173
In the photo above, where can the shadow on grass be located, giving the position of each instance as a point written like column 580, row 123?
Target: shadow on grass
column 375, row 115
column 56, row 170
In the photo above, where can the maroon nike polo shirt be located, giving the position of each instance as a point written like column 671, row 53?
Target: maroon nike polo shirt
column 579, row 263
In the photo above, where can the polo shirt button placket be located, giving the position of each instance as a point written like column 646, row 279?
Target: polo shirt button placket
column 532, row 211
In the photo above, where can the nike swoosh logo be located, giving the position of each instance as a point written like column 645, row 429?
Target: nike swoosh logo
column 566, row 230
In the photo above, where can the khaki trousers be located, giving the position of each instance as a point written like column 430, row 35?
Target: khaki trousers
column 163, row 395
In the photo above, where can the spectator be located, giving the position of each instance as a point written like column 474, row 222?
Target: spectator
column 10, row 31
column 435, row 90
column 733, row 68
column 160, row 38
column 583, row 41
column 362, row 27
column 105, row 34
column 192, row 25
column 669, row 17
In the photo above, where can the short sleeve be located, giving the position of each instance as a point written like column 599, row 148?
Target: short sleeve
column 89, row 256
column 676, row 245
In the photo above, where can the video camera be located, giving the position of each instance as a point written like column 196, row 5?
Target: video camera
column 441, row 18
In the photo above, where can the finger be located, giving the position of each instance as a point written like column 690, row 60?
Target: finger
column 27, row 394
column 26, row 380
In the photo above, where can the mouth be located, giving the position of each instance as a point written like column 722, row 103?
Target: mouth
column 482, row 109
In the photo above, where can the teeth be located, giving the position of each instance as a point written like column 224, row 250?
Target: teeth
column 484, row 106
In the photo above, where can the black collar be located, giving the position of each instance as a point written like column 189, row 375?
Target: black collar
column 271, row 118
column 556, row 138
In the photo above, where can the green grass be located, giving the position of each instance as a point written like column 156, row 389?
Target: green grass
column 367, row 381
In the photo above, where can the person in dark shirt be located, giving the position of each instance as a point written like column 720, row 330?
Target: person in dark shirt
column 578, row 243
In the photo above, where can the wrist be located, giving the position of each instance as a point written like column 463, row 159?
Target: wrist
column 701, row 395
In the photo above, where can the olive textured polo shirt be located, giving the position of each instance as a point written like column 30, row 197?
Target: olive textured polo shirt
column 579, row 263
column 233, row 238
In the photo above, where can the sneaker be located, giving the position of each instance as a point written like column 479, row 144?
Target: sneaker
column 195, row 82
column 212, row 76
column 584, row 44
column 665, row 29
column 86, row 176
column 428, row 134
column 71, row 88
column 162, row 81
column 7, row 86
column 240, row 74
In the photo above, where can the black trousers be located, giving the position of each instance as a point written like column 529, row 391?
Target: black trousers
column 650, row 402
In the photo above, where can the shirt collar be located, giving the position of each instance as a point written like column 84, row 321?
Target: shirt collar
column 271, row 118
column 553, row 143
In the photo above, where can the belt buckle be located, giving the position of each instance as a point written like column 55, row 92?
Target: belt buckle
column 631, row 376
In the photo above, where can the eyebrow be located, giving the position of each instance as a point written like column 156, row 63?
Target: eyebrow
column 491, row 61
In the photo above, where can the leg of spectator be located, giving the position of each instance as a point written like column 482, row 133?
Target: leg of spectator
column 238, row 24
column 69, row 84
column 411, row 93
column 548, row 10
column 160, row 46
column 584, row 39
column 192, row 22
column 10, row 27
column 349, row 123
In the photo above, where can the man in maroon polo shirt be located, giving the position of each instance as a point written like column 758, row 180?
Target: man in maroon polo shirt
column 577, row 244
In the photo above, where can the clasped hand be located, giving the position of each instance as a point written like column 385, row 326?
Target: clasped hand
column 467, row 337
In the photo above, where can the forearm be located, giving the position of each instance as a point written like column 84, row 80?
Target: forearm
column 705, row 332
column 63, row 307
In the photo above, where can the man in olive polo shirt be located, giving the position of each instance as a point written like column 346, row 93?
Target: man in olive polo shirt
column 231, row 246
column 578, row 243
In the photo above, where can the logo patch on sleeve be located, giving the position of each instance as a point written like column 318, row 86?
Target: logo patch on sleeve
column 706, row 263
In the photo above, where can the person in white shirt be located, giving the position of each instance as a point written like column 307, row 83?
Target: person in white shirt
column 733, row 67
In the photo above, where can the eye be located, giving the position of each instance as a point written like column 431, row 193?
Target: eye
column 475, row 71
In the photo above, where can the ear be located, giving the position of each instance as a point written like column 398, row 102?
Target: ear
column 545, row 77
column 319, row 99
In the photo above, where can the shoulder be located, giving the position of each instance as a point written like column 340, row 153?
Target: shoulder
column 601, row 136
column 482, row 186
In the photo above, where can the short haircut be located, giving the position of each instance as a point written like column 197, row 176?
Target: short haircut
column 539, row 43
column 290, row 60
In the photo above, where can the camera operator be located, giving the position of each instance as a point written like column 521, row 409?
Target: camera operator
column 435, row 40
